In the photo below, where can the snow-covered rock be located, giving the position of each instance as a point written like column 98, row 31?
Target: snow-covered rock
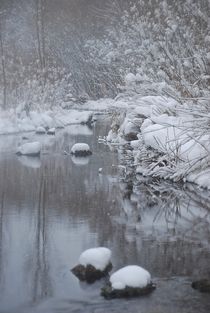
column 97, row 257
column 129, row 281
column 130, row 276
column 51, row 131
column 81, row 149
column 129, row 129
column 30, row 149
column 40, row 130
column 94, row 264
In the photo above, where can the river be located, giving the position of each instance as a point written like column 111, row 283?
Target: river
column 55, row 207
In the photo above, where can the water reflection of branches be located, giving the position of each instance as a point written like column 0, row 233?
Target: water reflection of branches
column 41, row 275
column 1, row 233
column 178, row 207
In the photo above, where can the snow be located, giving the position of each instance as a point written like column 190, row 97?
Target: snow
column 40, row 130
column 98, row 257
column 201, row 178
column 160, row 123
column 11, row 122
column 78, row 147
column 176, row 141
column 51, row 131
column 130, row 78
column 30, row 148
column 130, row 276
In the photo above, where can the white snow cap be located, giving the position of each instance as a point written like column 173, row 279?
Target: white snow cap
column 80, row 147
column 30, row 148
column 51, row 131
column 40, row 130
column 130, row 276
column 97, row 257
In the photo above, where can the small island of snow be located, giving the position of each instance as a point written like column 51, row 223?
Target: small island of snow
column 81, row 149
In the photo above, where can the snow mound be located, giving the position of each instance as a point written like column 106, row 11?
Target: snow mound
column 130, row 276
column 51, row 131
column 97, row 257
column 40, row 130
column 30, row 149
column 80, row 149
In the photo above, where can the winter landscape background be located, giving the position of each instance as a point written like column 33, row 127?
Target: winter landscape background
column 132, row 80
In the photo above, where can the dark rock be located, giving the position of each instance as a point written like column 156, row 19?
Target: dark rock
column 202, row 285
column 128, row 292
column 89, row 122
column 18, row 153
column 51, row 131
column 81, row 153
column 89, row 273
column 131, row 136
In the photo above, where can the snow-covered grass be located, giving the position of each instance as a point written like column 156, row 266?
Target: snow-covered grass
column 130, row 276
column 172, row 138
column 99, row 258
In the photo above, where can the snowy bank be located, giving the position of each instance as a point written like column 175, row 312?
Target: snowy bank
column 13, row 121
column 94, row 264
column 169, row 140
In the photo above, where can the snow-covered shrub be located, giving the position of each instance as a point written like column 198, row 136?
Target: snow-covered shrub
column 156, row 47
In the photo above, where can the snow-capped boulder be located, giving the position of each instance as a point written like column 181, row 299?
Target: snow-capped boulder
column 130, row 129
column 30, row 149
column 51, row 131
column 129, row 281
column 202, row 285
column 40, row 130
column 93, row 264
column 81, row 149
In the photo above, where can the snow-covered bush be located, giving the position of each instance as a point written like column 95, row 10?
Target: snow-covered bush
column 156, row 47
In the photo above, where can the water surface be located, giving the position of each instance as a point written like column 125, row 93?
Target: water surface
column 55, row 207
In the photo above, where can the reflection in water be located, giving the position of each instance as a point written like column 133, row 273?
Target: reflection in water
column 168, row 226
column 80, row 160
column 28, row 161
column 50, row 213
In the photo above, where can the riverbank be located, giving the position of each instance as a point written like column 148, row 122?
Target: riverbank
column 168, row 139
